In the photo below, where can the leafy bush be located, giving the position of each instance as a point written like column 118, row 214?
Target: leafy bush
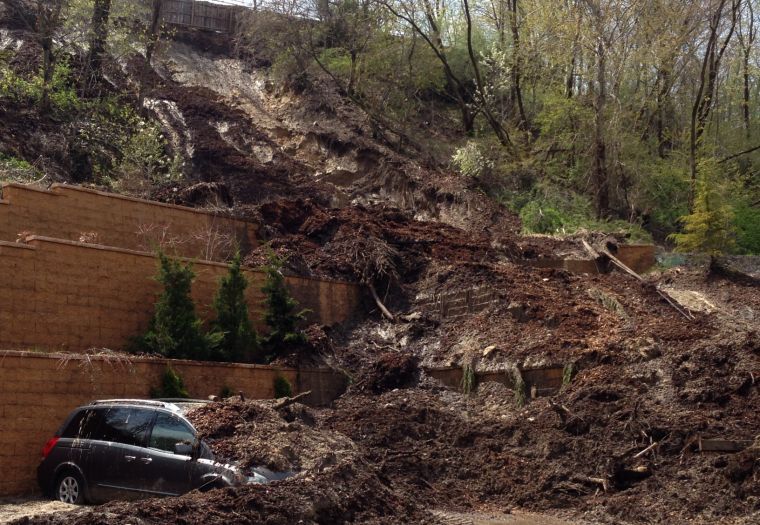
column 471, row 162
column 282, row 387
column 63, row 95
column 747, row 221
column 171, row 386
column 280, row 315
column 175, row 330
column 239, row 341
column 540, row 219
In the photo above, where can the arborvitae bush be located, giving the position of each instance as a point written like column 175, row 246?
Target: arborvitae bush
column 239, row 341
column 280, row 315
column 175, row 330
column 171, row 386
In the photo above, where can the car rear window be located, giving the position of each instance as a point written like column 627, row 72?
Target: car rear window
column 125, row 425
column 84, row 424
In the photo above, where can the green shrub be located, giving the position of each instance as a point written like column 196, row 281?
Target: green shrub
column 171, row 386
column 282, row 387
column 226, row 391
column 471, row 162
column 747, row 221
column 469, row 379
column 538, row 218
column 239, row 341
column 280, row 313
column 710, row 227
column 175, row 330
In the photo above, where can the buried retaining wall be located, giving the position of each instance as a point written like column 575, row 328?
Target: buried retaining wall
column 73, row 213
column 63, row 295
column 543, row 381
column 37, row 392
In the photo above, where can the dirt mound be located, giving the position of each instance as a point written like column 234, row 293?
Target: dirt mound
column 350, row 493
column 254, row 434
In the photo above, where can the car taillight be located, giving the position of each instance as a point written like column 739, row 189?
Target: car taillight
column 49, row 446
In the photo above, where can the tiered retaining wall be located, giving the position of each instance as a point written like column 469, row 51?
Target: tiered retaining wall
column 37, row 391
column 73, row 213
column 66, row 295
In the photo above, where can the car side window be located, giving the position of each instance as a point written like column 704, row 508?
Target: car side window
column 169, row 430
column 125, row 425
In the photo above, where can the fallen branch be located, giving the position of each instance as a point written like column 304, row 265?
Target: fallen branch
column 290, row 400
column 386, row 313
column 617, row 262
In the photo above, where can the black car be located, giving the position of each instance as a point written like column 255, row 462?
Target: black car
column 127, row 449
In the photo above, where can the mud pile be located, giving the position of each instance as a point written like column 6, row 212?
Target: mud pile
column 255, row 434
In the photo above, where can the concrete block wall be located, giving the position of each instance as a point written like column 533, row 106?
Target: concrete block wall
column 65, row 295
column 71, row 212
column 37, row 391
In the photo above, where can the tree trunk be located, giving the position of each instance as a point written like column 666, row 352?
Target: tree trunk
column 48, row 64
column 101, row 11
column 703, row 102
column 150, row 48
column 601, row 176
column 516, row 70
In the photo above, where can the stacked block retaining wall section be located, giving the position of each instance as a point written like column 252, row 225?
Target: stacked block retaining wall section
column 71, row 212
column 63, row 295
column 37, row 391
column 638, row 257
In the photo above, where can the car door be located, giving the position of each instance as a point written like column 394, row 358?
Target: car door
column 117, row 454
column 168, row 473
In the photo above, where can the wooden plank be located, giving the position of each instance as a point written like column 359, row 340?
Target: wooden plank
column 723, row 445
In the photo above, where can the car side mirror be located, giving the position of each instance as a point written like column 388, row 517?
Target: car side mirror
column 183, row 449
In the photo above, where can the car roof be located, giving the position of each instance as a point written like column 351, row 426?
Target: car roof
column 149, row 403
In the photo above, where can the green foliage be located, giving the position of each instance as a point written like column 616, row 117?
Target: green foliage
column 469, row 380
column 63, row 96
column 171, row 386
column 280, row 314
column 521, row 388
column 747, row 220
column 540, row 219
column 15, row 169
column 239, row 341
column 282, row 387
column 226, row 391
column 471, row 162
column 175, row 330
column 710, row 228
column 567, row 374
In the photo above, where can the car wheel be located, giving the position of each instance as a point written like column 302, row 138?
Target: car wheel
column 70, row 488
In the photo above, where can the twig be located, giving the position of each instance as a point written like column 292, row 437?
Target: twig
column 650, row 447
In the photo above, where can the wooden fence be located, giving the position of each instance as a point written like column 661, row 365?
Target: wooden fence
column 200, row 15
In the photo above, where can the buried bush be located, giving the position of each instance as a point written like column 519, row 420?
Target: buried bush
column 175, row 330
column 239, row 341
column 282, row 387
column 171, row 386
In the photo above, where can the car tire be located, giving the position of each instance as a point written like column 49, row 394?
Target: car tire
column 69, row 488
